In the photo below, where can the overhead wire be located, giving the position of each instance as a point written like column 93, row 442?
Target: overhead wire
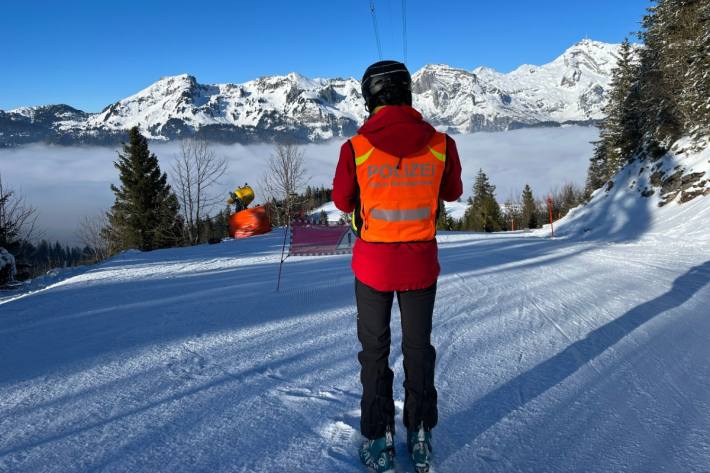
column 404, row 29
column 374, row 26
column 376, row 29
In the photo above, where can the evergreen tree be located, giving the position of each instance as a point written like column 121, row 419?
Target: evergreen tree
column 483, row 212
column 444, row 221
column 699, row 73
column 569, row 197
column 58, row 255
column 207, row 229
column 529, row 208
column 309, row 199
column 660, row 118
column 687, row 59
column 620, row 129
column 512, row 215
column 598, row 171
column 660, row 94
column 145, row 212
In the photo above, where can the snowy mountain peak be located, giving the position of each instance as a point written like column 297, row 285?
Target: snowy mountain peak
column 571, row 88
column 169, row 85
column 485, row 70
column 592, row 56
column 177, row 79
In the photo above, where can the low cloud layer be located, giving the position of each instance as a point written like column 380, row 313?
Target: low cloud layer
column 67, row 183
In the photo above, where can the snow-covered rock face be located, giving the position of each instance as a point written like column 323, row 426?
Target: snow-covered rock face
column 307, row 110
column 650, row 199
column 572, row 88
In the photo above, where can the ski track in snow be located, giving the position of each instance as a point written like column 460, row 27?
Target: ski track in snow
column 553, row 356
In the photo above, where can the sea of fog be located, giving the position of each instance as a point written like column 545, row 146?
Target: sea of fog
column 67, row 183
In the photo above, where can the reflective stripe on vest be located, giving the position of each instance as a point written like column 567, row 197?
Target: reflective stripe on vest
column 398, row 195
column 401, row 215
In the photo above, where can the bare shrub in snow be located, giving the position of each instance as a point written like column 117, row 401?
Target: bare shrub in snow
column 17, row 218
column 92, row 235
column 195, row 172
column 285, row 175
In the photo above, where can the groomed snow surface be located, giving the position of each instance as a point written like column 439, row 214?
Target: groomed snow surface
column 587, row 353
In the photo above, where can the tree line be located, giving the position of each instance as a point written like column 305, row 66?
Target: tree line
column 151, row 211
column 484, row 213
column 659, row 91
column 147, row 213
column 18, row 232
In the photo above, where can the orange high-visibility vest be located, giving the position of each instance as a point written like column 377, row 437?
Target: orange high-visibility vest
column 399, row 196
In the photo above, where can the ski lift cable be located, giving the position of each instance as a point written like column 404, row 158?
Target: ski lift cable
column 374, row 26
column 404, row 29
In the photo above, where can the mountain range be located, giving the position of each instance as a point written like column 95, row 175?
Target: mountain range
column 569, row 90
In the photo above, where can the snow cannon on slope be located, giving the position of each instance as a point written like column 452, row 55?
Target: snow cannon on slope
column 246, row 222
column 241, row 197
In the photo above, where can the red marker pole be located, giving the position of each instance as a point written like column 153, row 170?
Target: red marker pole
column 549, row 206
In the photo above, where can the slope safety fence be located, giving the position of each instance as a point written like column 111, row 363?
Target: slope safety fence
column 316, row 239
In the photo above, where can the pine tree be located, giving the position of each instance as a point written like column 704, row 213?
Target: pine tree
column 695, row 101
column 620, row 129
column 145, row 212
column 569, row 197
column 310, row 198
column 701, row 71
column 658, row 86
column 444, row 221
column 673, row 78
column 529, row 208
column 222, row 223
column 483, row 212
column 598, row 172
column 512, row 215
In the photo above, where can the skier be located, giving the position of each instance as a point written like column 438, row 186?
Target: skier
column 392, row 176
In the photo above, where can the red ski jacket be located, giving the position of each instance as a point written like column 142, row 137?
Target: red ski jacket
column 400, row 131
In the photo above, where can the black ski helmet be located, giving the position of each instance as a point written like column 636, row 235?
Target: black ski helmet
column 386, row 83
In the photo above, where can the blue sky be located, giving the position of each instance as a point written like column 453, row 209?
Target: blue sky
column 89, row 54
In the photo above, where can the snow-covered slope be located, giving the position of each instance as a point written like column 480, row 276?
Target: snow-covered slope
column 334, row 215
column 556, row 355
column 650, row 199
column 457, row 209
column 569, row 89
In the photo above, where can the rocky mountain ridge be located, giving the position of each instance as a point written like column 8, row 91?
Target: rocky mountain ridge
column 570, row 89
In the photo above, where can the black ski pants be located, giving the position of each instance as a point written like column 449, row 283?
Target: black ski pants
column 373, row 330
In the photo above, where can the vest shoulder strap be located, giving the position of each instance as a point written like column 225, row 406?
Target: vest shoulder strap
column 362, row 148
column 437, row 146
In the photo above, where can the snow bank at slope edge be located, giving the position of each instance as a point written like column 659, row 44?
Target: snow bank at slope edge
column 668, row 198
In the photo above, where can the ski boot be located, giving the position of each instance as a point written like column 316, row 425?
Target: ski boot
column 378, row 454
column 419, row 444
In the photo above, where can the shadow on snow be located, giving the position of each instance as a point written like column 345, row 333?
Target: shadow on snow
column 514, row 394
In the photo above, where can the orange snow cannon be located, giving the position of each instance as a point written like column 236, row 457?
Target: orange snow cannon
column 250, row 222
